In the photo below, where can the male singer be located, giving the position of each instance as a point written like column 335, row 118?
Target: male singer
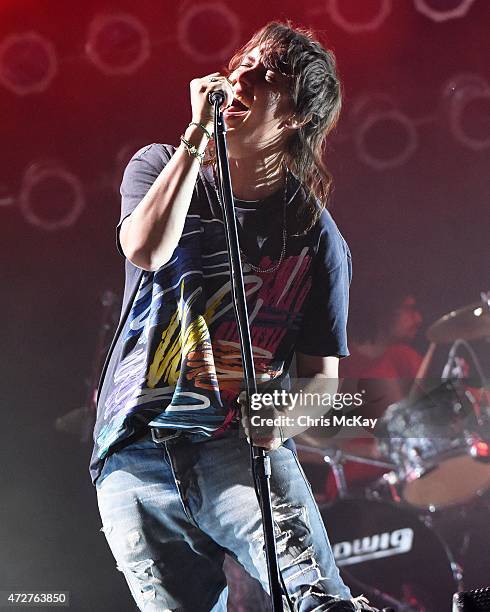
column 171, row 462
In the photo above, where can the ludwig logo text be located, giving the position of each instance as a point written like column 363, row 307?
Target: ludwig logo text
column 377, row 546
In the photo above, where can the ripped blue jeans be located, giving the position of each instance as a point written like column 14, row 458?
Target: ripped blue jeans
column 170, row 511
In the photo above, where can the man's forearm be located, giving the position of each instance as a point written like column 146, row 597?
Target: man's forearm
column 311, row 397
column 151, row 233
column 281, row 414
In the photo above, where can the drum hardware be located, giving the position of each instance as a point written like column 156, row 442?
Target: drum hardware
column 335, row 457
column 457, row 573
column 389, row 547
column 480, row 399
column 341, row 456
column 316, row 438
column 471, row 322
column 334, row 460
column 391, row 480
column 456, row 367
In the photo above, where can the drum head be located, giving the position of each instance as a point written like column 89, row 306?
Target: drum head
column 389, row 548
column 454, row 481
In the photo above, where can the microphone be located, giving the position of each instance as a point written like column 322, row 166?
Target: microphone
column 216, row 96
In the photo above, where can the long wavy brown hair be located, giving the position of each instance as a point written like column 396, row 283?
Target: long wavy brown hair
column 316, row 96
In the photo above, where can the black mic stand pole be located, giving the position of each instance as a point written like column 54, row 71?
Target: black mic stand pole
column 261, row 461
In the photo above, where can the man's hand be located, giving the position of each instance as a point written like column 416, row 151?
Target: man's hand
column 317, row 375
column 268, row 438
column 202, row 111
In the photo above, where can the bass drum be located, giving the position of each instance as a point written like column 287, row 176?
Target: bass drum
column 388, row 547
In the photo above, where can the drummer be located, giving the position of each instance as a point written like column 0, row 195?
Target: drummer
column 383, row 364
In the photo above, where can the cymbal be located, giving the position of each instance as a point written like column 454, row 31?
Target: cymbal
column 469, row 323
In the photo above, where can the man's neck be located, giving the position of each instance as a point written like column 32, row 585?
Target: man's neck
column 256, row 178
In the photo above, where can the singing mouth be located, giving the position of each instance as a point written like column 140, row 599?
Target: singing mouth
column 239, row 106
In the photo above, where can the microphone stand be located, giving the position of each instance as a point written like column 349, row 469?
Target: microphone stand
column 260, row 460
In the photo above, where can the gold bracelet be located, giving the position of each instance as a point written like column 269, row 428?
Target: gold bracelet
column 203, row 128
column 192, row 150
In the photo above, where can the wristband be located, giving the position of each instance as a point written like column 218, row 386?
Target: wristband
column 203, row 128
column 192, row 150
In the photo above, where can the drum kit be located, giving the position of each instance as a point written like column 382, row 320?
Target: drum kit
column 418, row 530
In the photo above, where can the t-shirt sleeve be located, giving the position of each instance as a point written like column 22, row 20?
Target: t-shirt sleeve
column 139, row 175
column 324, row 328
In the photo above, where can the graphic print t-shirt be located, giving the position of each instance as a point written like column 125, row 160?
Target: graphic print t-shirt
column 175, row 360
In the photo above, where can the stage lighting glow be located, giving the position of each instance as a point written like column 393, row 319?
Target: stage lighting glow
column 6, row 196
column 386, row 139
column 117, row 44
column 217, row 16
column 51, row 197
column 354, row 27
column 369, row 103
column 467, row 99
column 429, row 9
column 28, row 63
